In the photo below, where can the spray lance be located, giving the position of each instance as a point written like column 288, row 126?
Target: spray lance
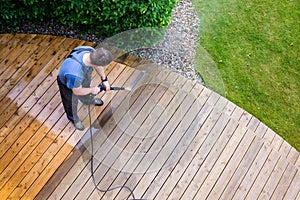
column 103, row 88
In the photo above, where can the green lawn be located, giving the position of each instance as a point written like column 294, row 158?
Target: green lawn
column 255, row 47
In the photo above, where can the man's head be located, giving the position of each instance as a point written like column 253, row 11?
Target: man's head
column 101, row 57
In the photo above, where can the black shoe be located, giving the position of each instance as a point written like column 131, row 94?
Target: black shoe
column 98, row 102
column 79, row 126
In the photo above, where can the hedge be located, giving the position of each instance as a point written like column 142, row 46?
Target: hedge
column 107, row 17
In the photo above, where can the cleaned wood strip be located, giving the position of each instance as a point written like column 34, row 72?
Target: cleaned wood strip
column 23, row 147
column 48, row 162
column 8, row 53
column 29, row 110
column 24, row 67
column 78, row 167
column 5, row 38
column 106, row 129
column 24, row 137
column 43, row 79
column 15, row 64
column 33, row 78
column 107, row 125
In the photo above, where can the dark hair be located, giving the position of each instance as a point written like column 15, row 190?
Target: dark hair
column 101, row 57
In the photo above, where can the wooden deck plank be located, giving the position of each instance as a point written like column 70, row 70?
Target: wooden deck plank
column 262, row 177
column 108, row 128
column 183, row 150
column 261, row 130
column 125, row 157
column 234, row 161
column 129, row 145
column 78, row 168
column 284, row 183
column 126, row 132
column 253, row 124
column 217, row 142
column 50, row 160
column 294, row 188
column 293, row 156
column 5, row 38
column 32, row 105
column 110, row 149
column 242, row 169
column 230, row 127
column 8, row 53
column 157, row 112
column 273, row 179
column 150, row 159
column 209, row 135
column 34, row 78
column 24, row 67
column 252, row 173
column 221, row 162
column 28, row 133
column 173, row 150
column 169, row 138
column 43, row 162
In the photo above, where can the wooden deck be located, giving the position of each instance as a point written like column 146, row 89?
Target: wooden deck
column 167, row 138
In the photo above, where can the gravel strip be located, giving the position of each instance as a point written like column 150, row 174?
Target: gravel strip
column 175, row 52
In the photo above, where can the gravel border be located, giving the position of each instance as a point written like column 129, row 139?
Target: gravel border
column 175, row 52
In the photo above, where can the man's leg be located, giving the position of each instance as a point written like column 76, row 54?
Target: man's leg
column 69, row 101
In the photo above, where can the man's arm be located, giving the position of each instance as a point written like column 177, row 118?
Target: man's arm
column 80, row 91
column 101, row 72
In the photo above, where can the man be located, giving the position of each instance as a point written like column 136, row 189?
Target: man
column 74, row 79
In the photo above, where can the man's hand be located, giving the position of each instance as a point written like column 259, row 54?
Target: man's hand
column 107, row 85
column 95, row 90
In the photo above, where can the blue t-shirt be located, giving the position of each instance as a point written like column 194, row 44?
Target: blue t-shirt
column 72, row 73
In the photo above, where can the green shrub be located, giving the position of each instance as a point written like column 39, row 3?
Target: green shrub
column 106, row 17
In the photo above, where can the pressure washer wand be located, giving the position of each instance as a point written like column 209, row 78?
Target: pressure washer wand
column 103, row 88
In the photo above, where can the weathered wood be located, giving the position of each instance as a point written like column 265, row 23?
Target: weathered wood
column 124, row 133
column 263, row 176
column 169, row 138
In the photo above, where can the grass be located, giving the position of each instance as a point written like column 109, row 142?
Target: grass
column 249, row 51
